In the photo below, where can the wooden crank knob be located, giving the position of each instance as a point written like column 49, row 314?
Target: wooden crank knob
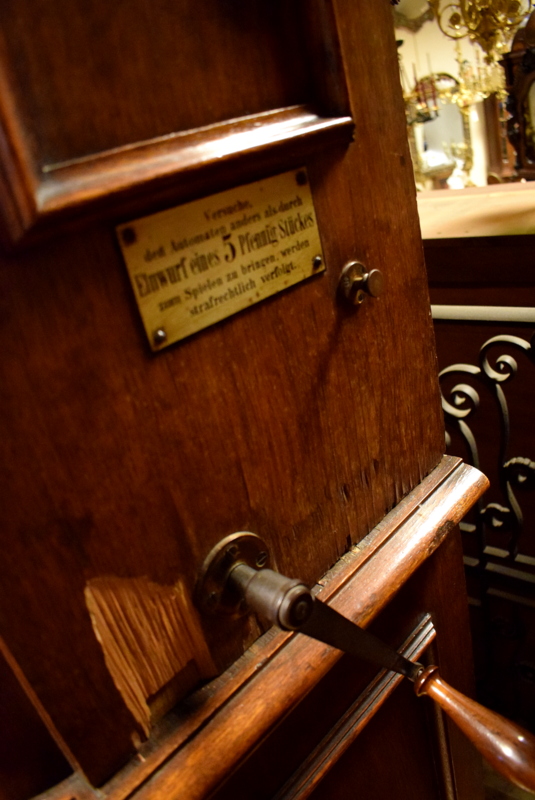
column 508, row 748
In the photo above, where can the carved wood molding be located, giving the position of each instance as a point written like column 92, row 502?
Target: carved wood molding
column 286, row 666
column 35, row 200
column 344, row 733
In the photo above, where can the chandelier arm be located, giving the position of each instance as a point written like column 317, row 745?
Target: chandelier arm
column 489, row 23
column 471, row 14
column 439, row 15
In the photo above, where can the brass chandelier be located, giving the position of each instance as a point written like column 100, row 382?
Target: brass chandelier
column 489, row 23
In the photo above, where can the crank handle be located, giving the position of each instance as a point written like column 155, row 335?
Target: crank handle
column 508, row 748
column 230, row 582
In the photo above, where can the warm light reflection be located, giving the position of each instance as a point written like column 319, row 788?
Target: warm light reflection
column 489, row 23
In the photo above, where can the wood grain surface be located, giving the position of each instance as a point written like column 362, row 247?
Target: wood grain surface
column 152, row 642
column 351, row 724
column 478, row 212
column 93, row 100
column 217, row 728
column 93, row 135
column 302, row 420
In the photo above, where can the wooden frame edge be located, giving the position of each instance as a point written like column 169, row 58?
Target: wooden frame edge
column 37, row 200
column 117, row 181
column 332, row 747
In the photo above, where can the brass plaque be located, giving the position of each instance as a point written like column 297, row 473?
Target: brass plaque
column 196, row 264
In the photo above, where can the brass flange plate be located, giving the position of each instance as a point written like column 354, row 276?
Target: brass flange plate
column 214, row 594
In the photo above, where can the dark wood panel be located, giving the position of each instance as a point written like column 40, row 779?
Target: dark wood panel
column 492, row 294
column 299, row 419
column 130, row 181
column 355, row 718
column 123, row 449
column 493, row 260
column 148, row 116
column 175, row 166
column 504, row 647
column 368, row 769
column 30, row 760
column 261, row 46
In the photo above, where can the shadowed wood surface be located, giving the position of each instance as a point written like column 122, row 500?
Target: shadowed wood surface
column 351, row 724
column 30, row 760
column 219, row 726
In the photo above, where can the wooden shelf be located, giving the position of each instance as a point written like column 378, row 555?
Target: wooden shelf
column 506, row 210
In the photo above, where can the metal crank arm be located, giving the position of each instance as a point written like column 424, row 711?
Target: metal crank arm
column 290, row 604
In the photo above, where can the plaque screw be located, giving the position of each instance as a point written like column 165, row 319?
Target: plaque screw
column 317, row 261
column 128, row 235
column 261, row 558
column 159, row 336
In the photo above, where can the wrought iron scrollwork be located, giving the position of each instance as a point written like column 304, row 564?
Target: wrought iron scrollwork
column 464, row 399
column 503, row 572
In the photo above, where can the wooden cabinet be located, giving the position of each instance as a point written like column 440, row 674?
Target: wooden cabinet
column 519, row 67
column 301, row 418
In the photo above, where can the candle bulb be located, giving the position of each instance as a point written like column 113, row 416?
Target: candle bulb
column 423, row 84
column 416, row 84
column 433, row 85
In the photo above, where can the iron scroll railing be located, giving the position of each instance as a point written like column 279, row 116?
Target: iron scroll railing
column 499, row 546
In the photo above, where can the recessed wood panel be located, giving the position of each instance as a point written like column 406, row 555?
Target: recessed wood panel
column 158, row 68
